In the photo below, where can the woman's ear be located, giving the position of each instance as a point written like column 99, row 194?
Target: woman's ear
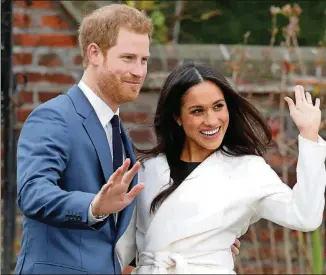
column 178, row 120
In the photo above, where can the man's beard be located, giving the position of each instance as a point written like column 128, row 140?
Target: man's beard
column 113, row 87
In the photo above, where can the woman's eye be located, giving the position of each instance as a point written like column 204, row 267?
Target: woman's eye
column 198, row 111
column 218, row 106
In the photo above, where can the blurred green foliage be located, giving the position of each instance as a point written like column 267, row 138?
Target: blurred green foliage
column 237, row 17
column 155, row 10
column 226, row 21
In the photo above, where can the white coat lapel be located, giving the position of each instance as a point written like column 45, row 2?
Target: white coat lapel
column 196, row 206
column 126, row 245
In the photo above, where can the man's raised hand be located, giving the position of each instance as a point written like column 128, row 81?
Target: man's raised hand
column 114, row 195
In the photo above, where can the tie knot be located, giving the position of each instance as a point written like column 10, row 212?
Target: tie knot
column 115, row 121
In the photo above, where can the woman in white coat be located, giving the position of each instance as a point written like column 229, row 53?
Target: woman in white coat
column 206, row 180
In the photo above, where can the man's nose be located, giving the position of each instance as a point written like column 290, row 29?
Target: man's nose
column 139, row 70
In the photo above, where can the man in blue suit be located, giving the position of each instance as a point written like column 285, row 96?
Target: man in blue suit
column 76, row 201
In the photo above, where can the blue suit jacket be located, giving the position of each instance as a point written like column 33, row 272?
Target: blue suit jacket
column 63, row 160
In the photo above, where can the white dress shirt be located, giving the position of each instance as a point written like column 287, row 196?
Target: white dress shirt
column 104, row 114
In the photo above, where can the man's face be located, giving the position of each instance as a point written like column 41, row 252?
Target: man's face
column 124, row 67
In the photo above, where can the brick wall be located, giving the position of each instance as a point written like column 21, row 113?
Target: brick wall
column 45, row 50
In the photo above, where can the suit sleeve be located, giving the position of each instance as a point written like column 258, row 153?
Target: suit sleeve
column 42, row 155
column 302, row 207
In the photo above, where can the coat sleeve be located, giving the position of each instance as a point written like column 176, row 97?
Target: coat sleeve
column 302, row 207
column 42, row 155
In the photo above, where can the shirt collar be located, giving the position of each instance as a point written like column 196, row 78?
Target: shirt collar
column 102, row 110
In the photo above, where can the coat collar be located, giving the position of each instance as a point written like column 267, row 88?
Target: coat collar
column 197, row 202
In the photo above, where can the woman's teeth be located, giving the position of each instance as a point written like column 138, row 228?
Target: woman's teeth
column 210, row 133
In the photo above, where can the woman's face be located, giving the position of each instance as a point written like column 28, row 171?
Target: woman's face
column 204, row 117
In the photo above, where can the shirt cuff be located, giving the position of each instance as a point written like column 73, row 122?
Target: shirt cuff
column 320, row 141
column 312, row 151
column 91, row 219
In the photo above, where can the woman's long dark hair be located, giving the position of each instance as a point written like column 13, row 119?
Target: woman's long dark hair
column 247, row 133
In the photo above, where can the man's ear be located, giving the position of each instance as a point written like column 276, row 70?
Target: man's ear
column 94, row 54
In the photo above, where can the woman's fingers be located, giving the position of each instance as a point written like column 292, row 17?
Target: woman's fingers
column 298, row 95
column 303, row 97
column 308, row 98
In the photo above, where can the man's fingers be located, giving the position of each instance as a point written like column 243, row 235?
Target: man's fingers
column 125, row 165
column 135, row 191
column 121, row 171
column 119, row 189
column 317, row 103
column 127, row 178
column 106, row 186
column 124, row 168
column 115, row 175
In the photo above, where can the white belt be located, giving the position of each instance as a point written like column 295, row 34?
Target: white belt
column 163, row 260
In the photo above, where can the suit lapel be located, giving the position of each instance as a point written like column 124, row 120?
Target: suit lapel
column 98, row 137
column 126, row 214
column 93, row 128
column 97, row 134
column 128, row 145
